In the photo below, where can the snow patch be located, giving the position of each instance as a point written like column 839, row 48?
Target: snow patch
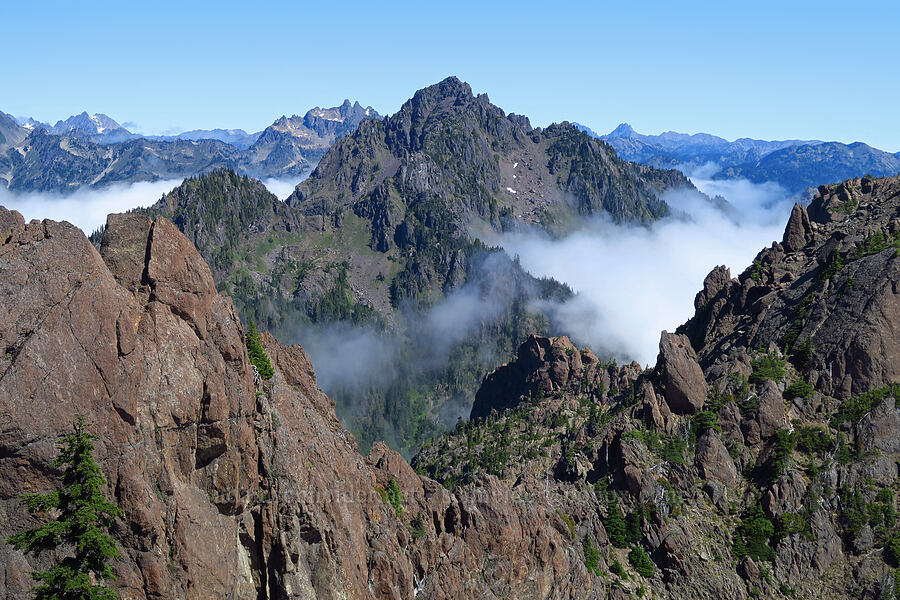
column 511, row 191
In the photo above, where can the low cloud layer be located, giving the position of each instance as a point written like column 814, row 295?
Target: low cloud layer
column 632, row 282
column 282, row 187
column 86, row 208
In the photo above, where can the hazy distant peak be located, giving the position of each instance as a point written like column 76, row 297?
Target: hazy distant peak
column 92, row 124
column 624, row 130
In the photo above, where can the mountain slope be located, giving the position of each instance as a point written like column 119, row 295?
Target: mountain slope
column 381, row 239
column 98, row 128
column 445, row 142
column 50, row 163
column 799, row 167
column 230, row 486
column 672, row 149
column 826, row 294
column 302, row 282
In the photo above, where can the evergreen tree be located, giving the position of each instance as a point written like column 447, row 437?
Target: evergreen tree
column 614, row 524
column 84, row 515
column 257, row 355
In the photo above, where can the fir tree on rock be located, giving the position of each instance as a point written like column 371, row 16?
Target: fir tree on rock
column 84, row 516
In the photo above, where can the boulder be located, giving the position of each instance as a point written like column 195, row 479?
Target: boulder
column 683, row 380
column 713, row 460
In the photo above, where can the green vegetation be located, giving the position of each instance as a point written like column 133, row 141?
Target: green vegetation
column 753, row 534
column 616, row 529
column 634, row 523
column 853, row 510
column 875, row 243
column 770, row 366
column 756, row 270
column 774, row 467
column 338, row 303
column 833, row 264
column 641, row 562
column 801, row 354
column 854, row 409
column 798, row 321
column 395, row 497
column 790, row 523
column 892, row 548
column 417, row 527
column 570, row 523
column 591, row 556
column 814, row 440
column 673, row 450
column 82, row 515
column 798, row 389
column 703, row 420
column 617, row 569
column 258, row 357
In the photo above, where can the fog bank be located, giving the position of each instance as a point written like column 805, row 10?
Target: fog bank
column 86, row 208
column 631, row 282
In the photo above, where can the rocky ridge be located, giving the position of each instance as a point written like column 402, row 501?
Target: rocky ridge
column 798, row 166
column 759, row 457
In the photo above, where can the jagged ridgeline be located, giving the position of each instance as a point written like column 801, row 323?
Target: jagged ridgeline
column 386, row 231
column 76, row 153
column 759, row 458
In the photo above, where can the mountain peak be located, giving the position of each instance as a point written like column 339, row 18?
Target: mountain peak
column 451, row 87
column 624, row 130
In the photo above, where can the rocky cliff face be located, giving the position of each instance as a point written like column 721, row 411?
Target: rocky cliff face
column 826, row 295
column 231, row 487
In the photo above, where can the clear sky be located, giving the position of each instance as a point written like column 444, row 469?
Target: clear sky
column 772, row 70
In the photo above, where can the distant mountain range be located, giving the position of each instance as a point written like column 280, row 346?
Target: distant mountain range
column 797, row 165
column 94, row 150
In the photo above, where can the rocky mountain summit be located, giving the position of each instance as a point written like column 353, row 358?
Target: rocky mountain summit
column 740, row 466
column 390, row 225
column 96, row 127
column 446, row 142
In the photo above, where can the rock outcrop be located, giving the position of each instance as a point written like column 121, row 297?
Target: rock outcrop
column 683, row 381
column 827, row 293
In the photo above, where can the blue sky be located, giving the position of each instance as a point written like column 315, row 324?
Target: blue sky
column 789, row 69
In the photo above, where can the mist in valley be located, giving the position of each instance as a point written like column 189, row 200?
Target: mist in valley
column 633, row 281
column 86, row 208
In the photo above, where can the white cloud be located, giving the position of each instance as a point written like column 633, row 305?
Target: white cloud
column 282, row 187
column 86, row 208
column 632, row 281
